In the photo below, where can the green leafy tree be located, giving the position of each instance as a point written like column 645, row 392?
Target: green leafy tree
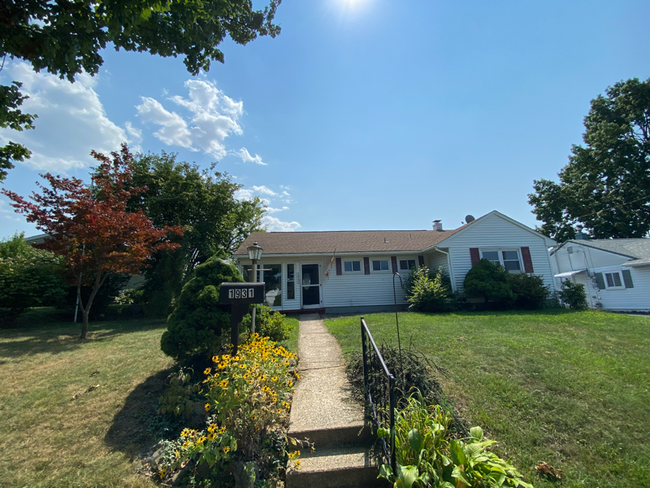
column 195, row 327
column 605, row 188
column 29, row 277
column 573, row 295
column 490, row 282
column 13, row 118
column 66, row 38
column 203, row 203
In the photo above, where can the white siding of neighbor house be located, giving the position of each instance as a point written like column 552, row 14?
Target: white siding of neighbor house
column 495, row 232
column 585, row 257
column 636, row 298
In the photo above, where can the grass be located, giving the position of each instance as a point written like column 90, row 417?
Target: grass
column 57, row 429
column 571, row 389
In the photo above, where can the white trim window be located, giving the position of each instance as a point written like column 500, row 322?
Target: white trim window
column 613, row 280
column 510, row 259
column 352, row 266
column 407, row 264
column 379, row 265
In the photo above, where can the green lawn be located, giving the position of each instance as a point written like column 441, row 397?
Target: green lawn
column 568, row 388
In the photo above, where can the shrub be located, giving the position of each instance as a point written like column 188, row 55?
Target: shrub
column 573, row 295
column 427, row 291
column 530, row 290
column 490, row 282
column 247, row 414
column 428, row 456
column 195, row 327
column 29, row 277
column 268, row 323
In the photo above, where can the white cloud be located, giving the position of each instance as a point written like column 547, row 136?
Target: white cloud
column 273, row 224
column 71, row 121
column 247, row 158
column 135, row 134
column 264, row 190
column 213, row 116
column 7, row 212
column 173, row 131
column 276, row 210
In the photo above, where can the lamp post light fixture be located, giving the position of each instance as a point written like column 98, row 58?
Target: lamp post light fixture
column 255, row 254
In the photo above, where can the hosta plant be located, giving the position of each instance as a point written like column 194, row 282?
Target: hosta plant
column 427, row 455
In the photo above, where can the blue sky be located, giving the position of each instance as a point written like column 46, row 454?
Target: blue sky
column 366, row 114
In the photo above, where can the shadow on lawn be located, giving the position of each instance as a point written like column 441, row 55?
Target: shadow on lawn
column 130, row 431
column 57, row 337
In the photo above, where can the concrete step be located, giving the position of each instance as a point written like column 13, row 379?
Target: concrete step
column 356, row 434
column 333, row 467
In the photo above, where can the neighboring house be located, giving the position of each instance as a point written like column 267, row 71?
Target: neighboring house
column 615, row 272
column 352, row 271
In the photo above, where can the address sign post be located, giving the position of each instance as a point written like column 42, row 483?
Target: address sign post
column 239, row 296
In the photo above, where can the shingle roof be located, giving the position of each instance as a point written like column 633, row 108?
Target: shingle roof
column 345, row 241
column 634, row 248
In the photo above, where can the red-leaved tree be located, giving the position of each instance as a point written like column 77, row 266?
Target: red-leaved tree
column 91, row 228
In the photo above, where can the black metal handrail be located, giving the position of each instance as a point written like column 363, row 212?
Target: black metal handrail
column 379, row 415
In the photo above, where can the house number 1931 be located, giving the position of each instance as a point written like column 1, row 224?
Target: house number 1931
column 241, row 293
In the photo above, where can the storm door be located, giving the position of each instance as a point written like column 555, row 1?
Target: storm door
column 310, row 285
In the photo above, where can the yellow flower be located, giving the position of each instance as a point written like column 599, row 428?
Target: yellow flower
column 207, row 371
column 274, row 378
column 185, row 433
column 212, row 427
column 226, row 449
column 207, row 407
column 298, row 464
column 200, row 440
column 162, row 473
column 222, row 430
column 186, row 444
column 211, row 436
column 223, row 384
column 297, row 375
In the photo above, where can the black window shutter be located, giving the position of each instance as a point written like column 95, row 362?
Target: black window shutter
column 600, row 281
column 627, row 278
column 339, row 271
column 366, row 265
column 393, row 260
column 420, row 260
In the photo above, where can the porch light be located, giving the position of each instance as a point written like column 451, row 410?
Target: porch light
column 255, row 251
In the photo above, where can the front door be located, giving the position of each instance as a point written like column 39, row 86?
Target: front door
column 310, row 286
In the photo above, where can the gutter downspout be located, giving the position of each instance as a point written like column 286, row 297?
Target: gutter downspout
column 451, row 270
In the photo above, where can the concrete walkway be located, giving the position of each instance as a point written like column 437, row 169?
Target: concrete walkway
column 322, row 399
column 323, row 412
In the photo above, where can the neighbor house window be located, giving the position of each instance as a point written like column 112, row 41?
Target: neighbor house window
column 380, row 265
column 613, row 280
column 352, row 266
column 406, row 264
column 291, row 282
column 508, row 259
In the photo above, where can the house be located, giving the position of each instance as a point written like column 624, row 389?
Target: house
column 615, row 272
column 353, row 271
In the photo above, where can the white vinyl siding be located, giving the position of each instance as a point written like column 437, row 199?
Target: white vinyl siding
column 496, row 233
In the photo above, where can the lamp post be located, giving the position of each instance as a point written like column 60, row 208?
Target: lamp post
column 255, row 254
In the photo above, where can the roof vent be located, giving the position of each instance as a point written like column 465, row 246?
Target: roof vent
column 437, row 225
column 385, row 240
column 469, row 218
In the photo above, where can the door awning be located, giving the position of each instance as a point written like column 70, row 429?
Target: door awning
column 569, row 274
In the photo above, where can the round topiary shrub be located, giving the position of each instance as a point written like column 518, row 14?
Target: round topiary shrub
column 490, row 282
column 194, row 328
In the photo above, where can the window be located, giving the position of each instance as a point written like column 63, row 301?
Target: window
column 291, row 282
column 272, row 276
column 508, row 259
column 380, row 265
column 406, row 264
column 352, row 266
column 613, row 280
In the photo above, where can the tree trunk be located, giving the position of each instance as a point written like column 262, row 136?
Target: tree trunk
column 99, row 281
